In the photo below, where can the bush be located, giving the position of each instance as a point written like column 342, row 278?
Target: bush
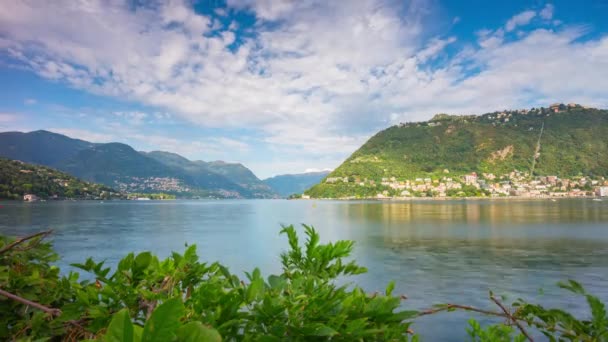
column 183, row 299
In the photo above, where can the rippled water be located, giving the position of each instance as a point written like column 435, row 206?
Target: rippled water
column 436, row 251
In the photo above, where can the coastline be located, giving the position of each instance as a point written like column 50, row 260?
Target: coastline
column 408, row 199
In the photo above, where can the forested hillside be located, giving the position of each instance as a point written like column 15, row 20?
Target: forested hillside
column 18, row 178
column 564, row 141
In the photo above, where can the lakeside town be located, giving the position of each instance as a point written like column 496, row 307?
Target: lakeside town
column 162, row 184
column 514, row 184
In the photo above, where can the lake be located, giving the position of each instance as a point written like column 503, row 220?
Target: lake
column 436, row 251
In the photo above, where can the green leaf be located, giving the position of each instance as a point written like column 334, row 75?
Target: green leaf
column 120, row 328
column 164, row 321
column 403, row 315
column 572, row 286
column 142, row 261
column 318, row 329
column 190, row 254
column 137, row 333
column 276, row 282
column 197, row 332
column 255, row 290
column 126, row 262
column 268, row 338
column 390, row 287
column 598, row 312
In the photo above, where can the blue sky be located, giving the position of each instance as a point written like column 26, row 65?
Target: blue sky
column 284, row 86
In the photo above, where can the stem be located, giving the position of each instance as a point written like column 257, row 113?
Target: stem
column 538, row 324
column 51, row 311
column 462, row 307
column 23, row 239
column 513, row 319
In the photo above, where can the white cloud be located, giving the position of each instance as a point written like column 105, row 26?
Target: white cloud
column 30, row 102
column 160, row 115
column 315, row 80
column 547, row 12
column 317, row 170
column 267, row 9
column 520, row 19
column 433, row 48
column 133, row 117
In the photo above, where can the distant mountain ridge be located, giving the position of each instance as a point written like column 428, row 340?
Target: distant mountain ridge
column 290, row 184
column 40, row 147
column 120, row 166
column 565, row 141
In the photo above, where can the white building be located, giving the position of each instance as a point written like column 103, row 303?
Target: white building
column 30, row 198
column 602, row 191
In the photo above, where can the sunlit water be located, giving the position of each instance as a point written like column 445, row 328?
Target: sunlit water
column 437, row 252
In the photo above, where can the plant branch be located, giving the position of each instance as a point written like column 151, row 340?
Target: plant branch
column 24, row 239
column 513, row 319
column 462, row 307
column 51, row 311
column 516, row 320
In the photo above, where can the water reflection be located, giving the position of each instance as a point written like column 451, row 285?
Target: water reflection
column 477, row 211
column 437, row 252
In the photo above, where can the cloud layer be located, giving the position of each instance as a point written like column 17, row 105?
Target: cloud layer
column 311, row 78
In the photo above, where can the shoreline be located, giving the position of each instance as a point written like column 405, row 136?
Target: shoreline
column 407, row 199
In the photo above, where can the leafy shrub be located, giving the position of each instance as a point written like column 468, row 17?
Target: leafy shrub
column 183, row 299
column 178, row 298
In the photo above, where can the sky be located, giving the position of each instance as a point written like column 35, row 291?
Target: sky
column 287, row 86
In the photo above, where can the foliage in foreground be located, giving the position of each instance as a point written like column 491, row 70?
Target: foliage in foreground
column 183, row 299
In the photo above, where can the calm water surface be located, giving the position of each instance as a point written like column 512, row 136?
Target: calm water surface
column 437, row 252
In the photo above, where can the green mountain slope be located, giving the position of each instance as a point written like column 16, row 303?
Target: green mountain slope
column 121, row 167
column 574, row 142
column 18, row 178
column 290, row 184
column 111, row 162
column 40, row 147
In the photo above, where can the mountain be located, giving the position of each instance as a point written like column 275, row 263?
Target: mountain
column 18, row 178
column 40, row 147
column 120, row 166
column 564, row 141
column 107, row 163
column 241, row 175
column 290, row 184
column 229, row 176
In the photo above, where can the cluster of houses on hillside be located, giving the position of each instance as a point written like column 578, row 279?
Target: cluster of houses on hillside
column 560, row 107
column 157, row 184
column 513, row 184
column 499, row 117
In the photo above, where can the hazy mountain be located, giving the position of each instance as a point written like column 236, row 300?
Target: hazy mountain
column 290, row 184
column 235, row 177
column 565, row 141
column 241, row 175
column 120, row 166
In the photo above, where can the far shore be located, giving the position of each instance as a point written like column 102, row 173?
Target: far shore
column 403, row 199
